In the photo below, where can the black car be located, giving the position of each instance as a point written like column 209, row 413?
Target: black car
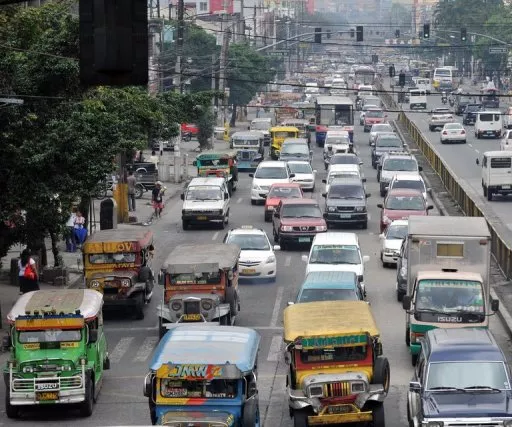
column 384, row 143
column 461, row 101
column 470, row 113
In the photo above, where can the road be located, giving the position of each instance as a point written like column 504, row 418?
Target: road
column 131, row 342
column 461, row 158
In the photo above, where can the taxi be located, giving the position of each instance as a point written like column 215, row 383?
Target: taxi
column 279, row 191
column 257, row 257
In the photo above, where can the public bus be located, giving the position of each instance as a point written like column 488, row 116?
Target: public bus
column 443, row 78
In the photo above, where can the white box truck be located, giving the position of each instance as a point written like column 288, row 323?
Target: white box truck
column 448, row 267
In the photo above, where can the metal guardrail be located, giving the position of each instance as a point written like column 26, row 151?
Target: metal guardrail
column 501, row 236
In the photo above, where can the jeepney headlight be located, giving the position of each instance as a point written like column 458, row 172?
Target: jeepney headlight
column 206, row 305
column 28, row 369
column 65, row 368
column 125, row 283
column 435, row 424
column 388, row 251
column 316, row 391
column 95, row 284
column 358, row 387
column 176, row 305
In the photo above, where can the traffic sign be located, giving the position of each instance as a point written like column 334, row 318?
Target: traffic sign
column 498, row 50
column 279, row 53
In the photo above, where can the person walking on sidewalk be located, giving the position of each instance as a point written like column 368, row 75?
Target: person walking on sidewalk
column 27, row 273
column 131, row 181
column 79, row 230
column 70, row 235
column 157, row 197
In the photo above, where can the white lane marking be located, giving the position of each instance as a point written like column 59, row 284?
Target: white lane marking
column 274, row 351
column 239, row 200
column 477, row 151
column 214, row 237
column 146, row 349
column 470, row 145
column 288, row 261
column 120, row 349
column 277, row 306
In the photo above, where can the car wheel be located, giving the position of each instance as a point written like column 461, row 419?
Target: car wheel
column 184, row 224
column 489, row 195
column 399, row 296
column 253, row 202
column 139, row 306
column 414, row 359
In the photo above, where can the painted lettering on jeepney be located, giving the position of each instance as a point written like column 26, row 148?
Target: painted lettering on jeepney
column 336, row 341
column 119, row 246
column 195, row 371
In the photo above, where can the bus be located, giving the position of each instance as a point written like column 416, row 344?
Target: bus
column 337, row 111
column 363, row 75
column 443, row 78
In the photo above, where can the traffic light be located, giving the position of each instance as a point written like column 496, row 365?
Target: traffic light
column 391, row 71
column 352, row 33
column 113, row 43
column 401, row 79
column 463, row 34
column 397, row 33
column 359, row 33
column 318, row 35
column 426, row 31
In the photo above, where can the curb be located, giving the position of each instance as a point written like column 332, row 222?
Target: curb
column 503, row 313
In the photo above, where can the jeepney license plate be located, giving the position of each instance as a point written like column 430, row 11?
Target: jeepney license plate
column 345, row 216
column 304, row 239
column 39, row 387
column 47, row 395
column 192, row 317
column 248, row 270
column 505, row 187
column 202, row 218
column 341, row 409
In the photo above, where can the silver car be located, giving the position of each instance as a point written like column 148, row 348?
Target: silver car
column 378, row 128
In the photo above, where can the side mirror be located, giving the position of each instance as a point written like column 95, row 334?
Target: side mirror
column 366, row 258
column 429, row 190
column 304, row 258
column 292, row 175
column 406, row 302
column 363, row 179
column 226, row 196
column 290, row 303
column 495, row 305
column 324, row 194
column 276, row 248
column 361, row 163
column 405, row 144
column 194, row 163
column 182, row 197
column 380, row 205
column 367, row 195
column 148, row 389
column 430, row 207
column 251, row 175
column 324, row 181
column 477, row 161
column 415, row 386
column 93, row 336
column 420, row 168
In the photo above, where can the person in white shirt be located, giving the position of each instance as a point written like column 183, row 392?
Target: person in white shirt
column 70, row 235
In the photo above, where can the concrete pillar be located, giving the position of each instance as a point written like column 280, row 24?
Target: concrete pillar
column 185, row 167
column 177, row 163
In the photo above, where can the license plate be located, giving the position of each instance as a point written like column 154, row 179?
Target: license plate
column 304, row 239
column 248, row 270
column 202, row 218
column 40, row 387
column 109, row 296
column 341, row 409
column 192, row 317
column 505, row 187
column 47, row 395
column 345, row 216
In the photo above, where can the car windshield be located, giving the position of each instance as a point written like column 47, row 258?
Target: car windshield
column 382, row 128
column 344, row 160
column 112, row 258
column 405, row 203
column 396, row 232
column 301, row 211
column 300, row 168
column 412, row 184
column 470, row 375
column 450, row 296
column 335, row 254
column 373, row 113
column 405, row 165
column 249, row 242
column 271, row 172
column 389, row 142
column 295, row 149
column 453, row 126
column 204, row 192
column 312, row 295
column 346, row 192
column 284, row 134
column 285, row 193
column 260, row 125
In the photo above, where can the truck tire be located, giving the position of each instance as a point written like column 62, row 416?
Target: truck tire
column 489, row 194
column 414, row 359
column 232, row 300
column 139, row 191
column 381, row 372
column 86, row 407
column 139, row 306
column 184, row 224
column 378, row 419
column 407, row 337
column 300, row 417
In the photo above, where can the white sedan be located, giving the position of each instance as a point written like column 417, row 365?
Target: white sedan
column 392, row 241
column 257, row 257
column 304, row 174
column 364, row 110
column 453, row 132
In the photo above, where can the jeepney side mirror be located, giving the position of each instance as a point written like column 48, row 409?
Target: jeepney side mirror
column 361, row 163
column 406, row 302
column 6, row 343
column 276, row 248
column 495, row 304
column 368, row 195
column 324, row 181
column 194, row 163
column 415, row 386
column 372, row 144
column 477, row 162
column 148, row 385
column 93, row 335
column 324, row 194
column 430, row 207
column 182, row 196
column 380, row 205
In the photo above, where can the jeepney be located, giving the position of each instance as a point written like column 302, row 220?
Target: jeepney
column 336, row 372
column 117, row 263
column 205, row 375
column 250, row 149
column 277, row 136
column 58, row 350
column 200, row 284
column 220, row 164
column 301, row 125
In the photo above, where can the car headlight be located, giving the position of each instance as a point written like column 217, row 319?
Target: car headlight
column 176, row 305
column 316, row 391
column 270, row 259
column 256, row 187
column 331, row 208
column 360, row 209
column 388, row 251
column 206, row 305
column 65, row 368
column 220, row 212
column 435, row 424
column 386, row 220
column 286, row 228
column 95, row 284
column 125, row 283
column 321, row 228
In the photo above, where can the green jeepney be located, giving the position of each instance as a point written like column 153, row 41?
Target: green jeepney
column 58, row 350
column 219, row 163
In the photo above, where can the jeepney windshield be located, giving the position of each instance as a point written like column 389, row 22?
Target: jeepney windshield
column 439, row 296
column 241, row 142
column 117, row 258
column 195, row 279
column 49, row 336
column 282, row 135
column 214, row 389
column 337, row 354
column 213, row 162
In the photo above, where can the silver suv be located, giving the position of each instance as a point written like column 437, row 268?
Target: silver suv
column 393, row 163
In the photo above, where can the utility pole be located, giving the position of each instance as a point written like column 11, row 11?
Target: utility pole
column 214, row 86
column 179, row 44
column 222, row 71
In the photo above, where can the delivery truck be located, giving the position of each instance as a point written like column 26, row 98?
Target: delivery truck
column 448, row 268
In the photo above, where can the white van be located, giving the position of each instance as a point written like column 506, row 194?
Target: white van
column 417, row 99
column 496, row 173
column 488, row 123
column 506, row 141
column 423, row 83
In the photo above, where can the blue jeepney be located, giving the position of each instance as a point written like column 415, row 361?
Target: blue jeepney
column 249, row 147
column 203, row 375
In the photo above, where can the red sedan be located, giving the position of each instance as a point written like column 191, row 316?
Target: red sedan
column 280, row 191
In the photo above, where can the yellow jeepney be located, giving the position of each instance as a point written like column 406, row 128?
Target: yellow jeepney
column 337, row 374
column 277, row 136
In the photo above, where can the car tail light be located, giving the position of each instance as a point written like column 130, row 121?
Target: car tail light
column 445, row 133
column 463, row 132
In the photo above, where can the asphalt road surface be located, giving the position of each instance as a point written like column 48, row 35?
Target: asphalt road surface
column 131, row 342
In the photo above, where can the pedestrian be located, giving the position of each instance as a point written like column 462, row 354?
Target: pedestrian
column 27, row 273
column 157, row 199
column 131, row 181
column 70, row 235
column 79, row 229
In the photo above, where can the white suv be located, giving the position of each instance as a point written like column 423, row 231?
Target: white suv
column 393, row 163
column 268, row 173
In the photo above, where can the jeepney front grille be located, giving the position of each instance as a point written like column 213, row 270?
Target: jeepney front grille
column 344, row 208
column 245, row 155
column 339, row 389
column 62, row 383
column 112, row 283
column 192, row 307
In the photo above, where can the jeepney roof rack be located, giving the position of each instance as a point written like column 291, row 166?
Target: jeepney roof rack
column 192, row 258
